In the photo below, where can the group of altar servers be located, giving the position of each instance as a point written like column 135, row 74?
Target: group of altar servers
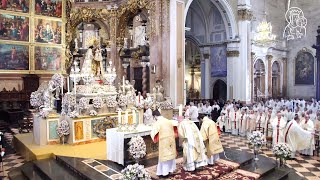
column 200, row 147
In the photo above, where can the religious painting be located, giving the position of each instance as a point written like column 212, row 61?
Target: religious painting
column 53, row 135
column 15, row 5
column 47, row 58
column 304, row 69
column 14, row 28
column 78, row 130
column 14, row 57
column 218, row 61
column 94, row 123
column 47, row 31
column 51, row 8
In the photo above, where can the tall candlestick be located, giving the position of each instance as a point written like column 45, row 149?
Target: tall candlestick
column 123, row 84
column 75, row 87
column 180, row 110
column 68, row 84
column 133, row 116
column 126, row 117
column 119, row 117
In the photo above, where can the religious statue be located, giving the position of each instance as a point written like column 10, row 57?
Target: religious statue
column 86, row 67
column 149, row 101
column 129, row 90
column 48, row 98
column 93, row 60
column 139, row 100
column 158, row 91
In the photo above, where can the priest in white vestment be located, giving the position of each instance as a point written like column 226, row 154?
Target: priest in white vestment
column 278, row 126
column 147, row 117
column 194, row 150
column 243, row 123
column 163, row 132
column 296, row 137
column 211, row 139
column 261, row 119
column 308, row 125
column 221, row 121
column 235, row 121
column 227, row 123
column 251, row 122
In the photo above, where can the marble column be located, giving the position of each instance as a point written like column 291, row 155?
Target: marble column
column 242, row 70
column 125, row 66
column 207, row 75
column 269, row 59
column 232, row 58
column 285, row 77
column 317, row 47
column 203, row 78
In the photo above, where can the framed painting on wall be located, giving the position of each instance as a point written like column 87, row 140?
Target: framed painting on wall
column 51, row 8
column 47, row 31
column 304, row 69
column 14, row 28
column 218, row 61
column 14, row 57
column 47, row 58
column 16, row 6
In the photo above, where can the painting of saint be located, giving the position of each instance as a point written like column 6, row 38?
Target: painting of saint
column 51, row 8
column 47, row 58
column 304, row 69
column 15, row 5
column 14, row 28
column 47, row 31
column 14, row 57
column 218, row 61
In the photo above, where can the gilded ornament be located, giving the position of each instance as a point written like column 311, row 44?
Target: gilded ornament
column 245, row 14
column 233, row 53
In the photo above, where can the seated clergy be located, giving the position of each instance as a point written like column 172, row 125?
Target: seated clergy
column 193, row 147
column 163, row 132
column 211, row 138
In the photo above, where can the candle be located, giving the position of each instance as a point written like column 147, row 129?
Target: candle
column 68, row 85
column 119, row 117
column 62, row 86
column 75, row 88
column 180, row 110
column 133, row 116
column 126, row 117
column 123, row 84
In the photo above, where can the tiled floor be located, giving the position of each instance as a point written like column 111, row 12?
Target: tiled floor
column 10, row 162
column 306, row 166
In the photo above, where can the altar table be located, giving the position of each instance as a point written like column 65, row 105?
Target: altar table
column 117, row 148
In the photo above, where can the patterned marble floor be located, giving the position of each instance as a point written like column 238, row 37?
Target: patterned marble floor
column 306, row 166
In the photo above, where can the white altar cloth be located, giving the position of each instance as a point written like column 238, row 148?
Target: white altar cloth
column 115, row 141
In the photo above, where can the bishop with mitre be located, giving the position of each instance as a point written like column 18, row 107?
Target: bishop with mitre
column 194, row 150
column 164, row 133
column 210, row 135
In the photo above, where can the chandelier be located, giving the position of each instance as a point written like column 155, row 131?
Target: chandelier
column 264, row 36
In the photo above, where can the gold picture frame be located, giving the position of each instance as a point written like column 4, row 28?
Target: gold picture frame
column 45, row 58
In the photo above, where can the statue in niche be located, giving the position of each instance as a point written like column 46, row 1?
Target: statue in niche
column 158, row 91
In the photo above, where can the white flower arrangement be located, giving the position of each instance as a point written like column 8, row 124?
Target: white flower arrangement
column 73, row 114
column 122, row 100
column 63, row 128
column 35, row 99
column 83, row 103
column 111, row 101
column 44, row 114
column 137, row 147
column 93, row 113
column 57, row 79
column 282, row 150
column 133, row 172
column 97, row 102
column 164, row 105
column 257, row 139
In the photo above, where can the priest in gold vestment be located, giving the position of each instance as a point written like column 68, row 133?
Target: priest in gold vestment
column 194, row 150
column 211, row 139
column 164, row 133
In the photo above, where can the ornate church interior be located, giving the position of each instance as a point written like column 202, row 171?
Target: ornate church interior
column 160, row 89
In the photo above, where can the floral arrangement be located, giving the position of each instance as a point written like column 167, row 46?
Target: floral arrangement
column 164, row 105
column 93, row 113
column 83, row 103
column 63, row 128
column 257, row 139
column 44, row 114
column 136, row 171
column 35, row 99
column 111, row 101
column 282, row 150
column 73, row 114
column 57, row 79
column 122, row 100
column 137, row 147
column 97, row 102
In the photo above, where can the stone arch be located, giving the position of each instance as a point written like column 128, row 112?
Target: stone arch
column 259, row 79
column 219, row 90
column 277, row 78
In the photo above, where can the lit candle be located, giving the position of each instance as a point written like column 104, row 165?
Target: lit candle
column 119, row 117
column 180, row 110
column 68, row 85
column 133, row 116
column 126, row 117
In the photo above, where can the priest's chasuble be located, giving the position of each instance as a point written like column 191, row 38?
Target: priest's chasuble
column 210, row 136
column 163, row 131
column 193, row 147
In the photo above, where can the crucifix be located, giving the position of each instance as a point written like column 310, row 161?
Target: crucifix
column 317, row 47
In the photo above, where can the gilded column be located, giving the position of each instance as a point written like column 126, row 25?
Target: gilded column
column 144, row 77
column 269, row 58
column 285, row 77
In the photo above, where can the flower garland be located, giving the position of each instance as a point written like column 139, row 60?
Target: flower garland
column 97, row 102
column 73, row 114
column 256, row 138
column 63, row 128
column 44, row 114
column 137, row 147
column 282, row 150
column 133, row 172
column 93, row 113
